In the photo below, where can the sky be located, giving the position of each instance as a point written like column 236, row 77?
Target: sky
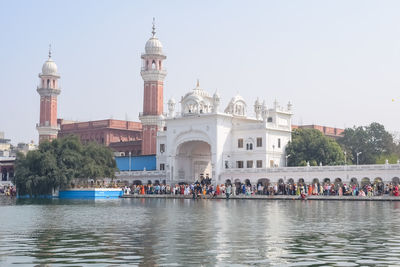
column 337, row 62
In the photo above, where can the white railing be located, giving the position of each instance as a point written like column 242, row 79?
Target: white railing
column 316, row 168
column 140, row 173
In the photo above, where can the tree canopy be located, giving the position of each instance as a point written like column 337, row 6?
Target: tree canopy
column 56, row 163
column 373, row 141
column 311, row 145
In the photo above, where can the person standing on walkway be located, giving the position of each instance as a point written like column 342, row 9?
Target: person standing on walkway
column 228, row 191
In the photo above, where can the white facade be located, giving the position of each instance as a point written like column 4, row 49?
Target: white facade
column 201, row 141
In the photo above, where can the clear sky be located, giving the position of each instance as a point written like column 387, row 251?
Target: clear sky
column 338, row 62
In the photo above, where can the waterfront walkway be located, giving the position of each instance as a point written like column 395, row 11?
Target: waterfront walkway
column 276, row 197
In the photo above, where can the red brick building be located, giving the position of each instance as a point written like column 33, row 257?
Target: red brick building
column 328, row 131
column 121, row 136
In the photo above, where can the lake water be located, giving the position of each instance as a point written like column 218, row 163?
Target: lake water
column 179, row 232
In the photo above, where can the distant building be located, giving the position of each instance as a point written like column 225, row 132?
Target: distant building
column 24, row 148
column 4, row 143
column 6, row 169
column 327, row 131
column 121, row 136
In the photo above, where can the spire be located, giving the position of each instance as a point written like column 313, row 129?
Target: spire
column 49, row 51
column 154, row 27
column 198, row 83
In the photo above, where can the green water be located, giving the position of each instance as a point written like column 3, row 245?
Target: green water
column 178, row 232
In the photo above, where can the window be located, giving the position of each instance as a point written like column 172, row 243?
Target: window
column 259, row 163
column 249, row 146
column 259, row 141
column 240, row 143
column 279, row 143
column 162, row 167
column 226, row 164
column 239, row 164
column 249, row 164
column 162, row 148
column 269, row 119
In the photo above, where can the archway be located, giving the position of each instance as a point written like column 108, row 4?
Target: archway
column 247, row 182
column 263, row 181
column 338, row 181
column 280, row 181
column 193, row 161
column 378, row 180
column 228, row 182
column 327, row 181
column 315, row 181
column 290, row 181
column 353, row 181
column 137, row 182
column 396, row 180
column 4, row 175
column 301, row 181
column 365, row 181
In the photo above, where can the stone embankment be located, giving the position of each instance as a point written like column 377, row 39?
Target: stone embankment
column 277, row 197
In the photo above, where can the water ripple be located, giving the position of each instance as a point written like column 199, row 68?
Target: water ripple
column 178, row 232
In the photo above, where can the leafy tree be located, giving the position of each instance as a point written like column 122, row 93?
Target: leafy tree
column 373, row 141
column 312, row 146
column 55, row 164
column 392, row 159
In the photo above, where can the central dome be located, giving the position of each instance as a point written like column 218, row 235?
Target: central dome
column 153, row 46
column 49, row 67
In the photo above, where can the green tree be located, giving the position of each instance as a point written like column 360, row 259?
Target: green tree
column 55, row 164
column 312, row 146
column 373, row 141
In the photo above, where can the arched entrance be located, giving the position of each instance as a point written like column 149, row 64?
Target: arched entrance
column 353, row 181
column 365, row 181
column 338, row 181
column 193, row 161
column 263, row 181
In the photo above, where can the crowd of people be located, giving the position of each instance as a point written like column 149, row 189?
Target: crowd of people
column 8, row 191
column 206, row 188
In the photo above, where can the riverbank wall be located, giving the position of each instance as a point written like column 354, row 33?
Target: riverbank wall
column 277, row 197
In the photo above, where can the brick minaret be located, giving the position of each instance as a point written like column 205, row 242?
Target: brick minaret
column 48, row 91
column 153, row 74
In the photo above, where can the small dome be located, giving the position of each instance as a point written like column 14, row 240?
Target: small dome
column 237, row 98
column 153, row 46
column 171, row 101
column 49, row 67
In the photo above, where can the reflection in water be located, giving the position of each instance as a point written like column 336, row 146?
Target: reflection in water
column 183, row 232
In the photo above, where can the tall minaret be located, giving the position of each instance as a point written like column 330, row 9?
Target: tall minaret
column 48, row 91
column 153, row 74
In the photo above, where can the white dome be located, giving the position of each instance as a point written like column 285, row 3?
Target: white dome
column 49, row 67
column 153, row 46
column 237, row 98
column 198, row 92
column 171, row 101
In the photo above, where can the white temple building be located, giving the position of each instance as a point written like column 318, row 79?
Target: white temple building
column 204, row 140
